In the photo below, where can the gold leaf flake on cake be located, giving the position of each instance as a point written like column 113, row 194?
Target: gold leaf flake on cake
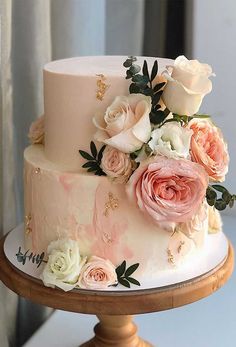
column 101, row 87
column 111, row 204
column 37, row 170
column 180, row 246
column 170, row 257
column 28, row 228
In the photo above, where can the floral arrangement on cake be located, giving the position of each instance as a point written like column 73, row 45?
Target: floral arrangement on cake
column 169, row 158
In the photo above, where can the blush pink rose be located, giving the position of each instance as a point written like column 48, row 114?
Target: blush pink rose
column 116, row 164
column 36, row 131
column 97, row 273
column 168, row 190
column 209, row 149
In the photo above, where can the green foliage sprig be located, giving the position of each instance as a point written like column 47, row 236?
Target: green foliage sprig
column 124, row 274
column 37, row 259
column 143, row 83
column 220, row 203
column 184, row 119
column 94, row 159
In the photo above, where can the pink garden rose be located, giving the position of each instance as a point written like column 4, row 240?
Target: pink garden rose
column 209, row 149
column 125, row 124
column 168, row 190
column 116, row 164
column 36, row 131
column 97, row 273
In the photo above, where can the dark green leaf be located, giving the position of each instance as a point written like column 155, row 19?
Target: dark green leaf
column 211, row 202
column 147, row 91
column 128, row 74
column 134, row 69
column 156, row 98
column 124, row 282
column 219, row 188
column 120, row 270
column 158, row 86
column 93, row 149
column 211, row 194
column 220, row 204
column 145, row 69
column 157, row 117
column 85, row 155
column 131, row 269
column 128, row 63
column 92, row 169
column 140, row 79
column 154, row 70
column 99, row 172
column 132, row 57
column 89, row 164
column 133, row 281
column 226, row 196
column 134, row 88
column 100, row 153
column 231, row 203
column 201, row 116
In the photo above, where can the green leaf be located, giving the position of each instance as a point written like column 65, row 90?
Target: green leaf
column 124, row 282
column 156, row 97
column 211, row 194
column 99, row 172
column 201, row 116
column 93, row 149
column 128, row 63
column 100, row 153
column 128, row 74
column 134, row 88
column 211, row 202
column 134, row 69
column 85, row 155
column 120, row 270
column 131, row 269
column 140, row 79
column 226, row 196
column 147, row 91
column 133, row 281
column 145, row 69
column 220, row 204
column 231, row 203
column 219, row 188
column 154, row 70
column 158, row 86
column 157, row 117
column 91, row 169
column 89, row 164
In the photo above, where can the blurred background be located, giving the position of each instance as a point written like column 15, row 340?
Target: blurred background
column 35, row 32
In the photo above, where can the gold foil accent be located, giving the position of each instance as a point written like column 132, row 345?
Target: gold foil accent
column 102, row 87
column 111, row 204
column 28, row 228
column 180, row 246
column 170, row 257
column 37, row 170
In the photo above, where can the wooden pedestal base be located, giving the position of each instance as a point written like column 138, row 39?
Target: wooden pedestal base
column 116, row 331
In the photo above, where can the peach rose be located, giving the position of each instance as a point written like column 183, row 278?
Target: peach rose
column 36, row 131
column 214, row 220
column 209, row 149
column 187, row 83
column 126, row 124
column 98, row 273
column 116, row 164
column 167, row 189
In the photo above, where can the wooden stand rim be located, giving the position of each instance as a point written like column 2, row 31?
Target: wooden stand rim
column 112, row 303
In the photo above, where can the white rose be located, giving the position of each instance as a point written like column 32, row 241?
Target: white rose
column 126, row 124
column 214, row 220
column 116, row 164
column 171, row 140
column 98, row 273
column 187, row 83
column 36, row 131
column 64, row 264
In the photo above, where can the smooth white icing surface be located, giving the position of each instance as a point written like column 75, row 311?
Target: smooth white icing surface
column 72, row 205
column 70, row 102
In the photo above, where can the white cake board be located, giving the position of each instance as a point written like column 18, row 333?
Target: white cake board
column 213, row 254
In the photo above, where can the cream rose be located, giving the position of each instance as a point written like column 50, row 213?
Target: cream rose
column 214, row 220
column 97, row 273
column 187, row 83
column 171, row 140
column 36, row 131
column 209, row 149
column 64, row 265
column 116, row 164
column 168, row 190
column 126, row 124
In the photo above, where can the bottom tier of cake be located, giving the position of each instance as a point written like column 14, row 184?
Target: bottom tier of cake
column 97, row 213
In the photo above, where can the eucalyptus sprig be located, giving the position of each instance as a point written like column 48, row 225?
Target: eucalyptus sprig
column 94, row 159
column 143, row 84
column 124, row 274
column 37, row 259
column 220, row 202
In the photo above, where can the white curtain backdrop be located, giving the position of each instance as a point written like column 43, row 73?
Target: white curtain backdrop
column 33, row 33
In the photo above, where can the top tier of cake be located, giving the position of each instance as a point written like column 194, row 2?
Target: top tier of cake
column 75, row 90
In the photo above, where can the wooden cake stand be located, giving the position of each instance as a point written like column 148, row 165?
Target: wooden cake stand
column 114, row 309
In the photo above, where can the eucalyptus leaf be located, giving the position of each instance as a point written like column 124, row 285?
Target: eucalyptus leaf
column 134, row 69
column 120, row 270
column 219, row 188
column 134, row 88
column 133, row 281
column 220, row 204
column 100, row 153
column 140, row 79
column 226, row 196
column 211, row 202
column 158, row 86
column 211, row 194
column 231, row 203
column 93, row 149
column 145, row 69
column 154, row 70
column 124, row 282
column 85, row 155
column 92, row 169
column 89, row 164
column 128, row 63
